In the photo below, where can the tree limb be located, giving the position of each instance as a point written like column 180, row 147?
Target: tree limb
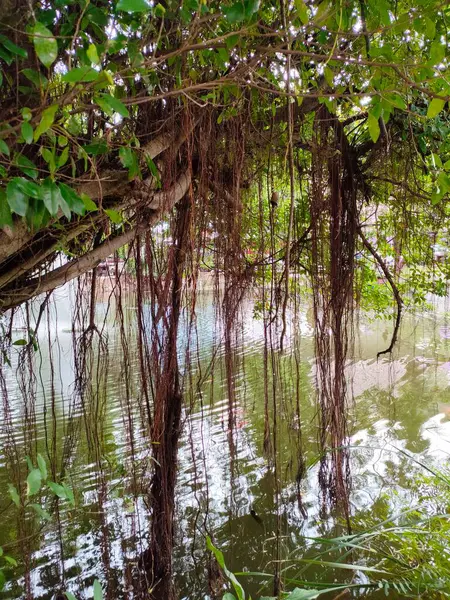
column 162, row 202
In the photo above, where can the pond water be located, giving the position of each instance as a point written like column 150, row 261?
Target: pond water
column 401, row 406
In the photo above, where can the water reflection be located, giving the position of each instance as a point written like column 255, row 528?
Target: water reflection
column 224, row 476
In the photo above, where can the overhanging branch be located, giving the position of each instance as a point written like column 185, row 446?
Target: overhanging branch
column 162, row 202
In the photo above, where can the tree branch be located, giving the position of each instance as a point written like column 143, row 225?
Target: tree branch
column 162, row 202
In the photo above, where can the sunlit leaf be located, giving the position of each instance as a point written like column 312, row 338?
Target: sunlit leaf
column 89, row 204
column 45, row 44
column 133, row 6
column 374, row 127
column 47, row 120
column 437, row 52
column 435, row 107
column 92, row 54
column 58, row 490
column 34, row 481
column 27, row 132
column 302, row 11
column 115, row 216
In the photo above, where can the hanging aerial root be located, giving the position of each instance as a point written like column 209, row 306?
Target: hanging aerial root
column 398, row 298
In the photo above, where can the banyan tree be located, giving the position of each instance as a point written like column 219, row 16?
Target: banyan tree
column 282, row 143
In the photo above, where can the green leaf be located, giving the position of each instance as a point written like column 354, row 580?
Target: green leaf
column 437, row 52
column 443, row 181
column 20, row 342
column 97, row 147
column 70, row 596
column 234, row 13
column 228, row 596
column 5, row 211
column 45, row 44
column 436, row 197
column 58, row 490
column 34, row 480
column 26, row 165
column 63, row 157
column 302, row 11
column 47, row 120
column 6, row 56
column 133, row 6
column 26, row 113
column 12, row 561
column 81, row 74
column 92, row 54
column 4, row 149
column 430, row 27
column 12, row 47
column 250, row 8
column 98, row 592
column 51, row 196
column 29, row 188
column 14, row 494
column 17, row 200
column 73, row 200
column 27, row 132
column 115, row 105
column 329, row 76
column 159, row 10
column 129, row 160
column 435, row 107
column 69, row 494
column 38, row 79
column 299, row 594
column 41, row 512
column 231, row 576
column 374, row 127
column 115, row 216
column 126, row 156
column 397, row 101
column 42, row 466
column 153, row 168
column 89, row 204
